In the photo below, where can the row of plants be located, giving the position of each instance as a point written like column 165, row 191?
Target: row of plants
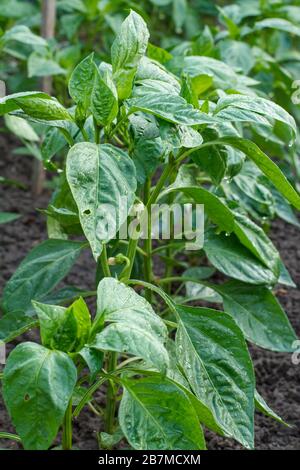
column 151, row 125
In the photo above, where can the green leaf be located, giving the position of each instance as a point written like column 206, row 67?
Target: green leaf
column 46, row 108
column 152, row 77
column 127, row 49
column 104, row 100
column 172, row 108
column 40, row 66
column 259, row 315
column 22, row 33
column 195, row 290
column 9, row 103
column 212, row 161
column 254, row 109
column 254, row 238
column 93, row 359
column 99, row 176
column 148, row 146
column 6, row 217
column 155, row 414
column 39, row 273
column 65, row 329
column 13, row 324
column 175, row 374
column 266, row 165
column 216, row 210
column 234, row 260
column 157, row 53
column 262, row 406
column 81, row 82
column 37, row 386
column 213, row 354
column 277, row 23
column 134, row 327
column 237, row 54
column 21, row 128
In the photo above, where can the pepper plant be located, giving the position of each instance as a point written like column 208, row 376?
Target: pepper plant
column 142, row 134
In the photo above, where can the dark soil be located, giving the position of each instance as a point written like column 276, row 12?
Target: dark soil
column 278, row 380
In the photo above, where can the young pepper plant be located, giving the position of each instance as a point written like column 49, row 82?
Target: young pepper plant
column 180, row 368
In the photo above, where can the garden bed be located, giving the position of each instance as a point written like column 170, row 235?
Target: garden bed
column 278, row 380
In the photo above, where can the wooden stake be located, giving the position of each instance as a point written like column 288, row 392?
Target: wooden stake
column 48, row 29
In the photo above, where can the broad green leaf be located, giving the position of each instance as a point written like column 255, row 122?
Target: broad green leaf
column 267, row 166
column 195, row 290
column 6, row 217
column 254, row 238
column 172, row 108
column 277, row 23
column 157, row 53
column 237, row 54
column 99, row 176
column 22, row 33
column 223, row 75
column 213, row 161
column 264, row 408
column 21, row 128
column 13, row 324
column 81, row 82
column 93, row 359
column 177, row 137
column 134, row 327
column 175, row 374
column 234, row 260
column 153, row 77
column 148, row 147
column 213, row 354
column 104, row 100
column 284, row 276
column 259, row 315
column 41, row 66
column 53, row 143
column 155, row 414
column 254, row 109
column 9, row 103
column 37, row 386
column 65, row 329
column 39, row 273
column 48, row 108
column 127, row 49
column 216, row 210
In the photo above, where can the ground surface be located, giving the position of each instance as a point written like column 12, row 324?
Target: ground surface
column 278, row 380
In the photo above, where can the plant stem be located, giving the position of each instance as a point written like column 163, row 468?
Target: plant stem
column 97, row 132
column 104, row 262
column 8, row 435
column 84, row 134
column 148, row 242
column 67, row 428
column 133, row 242
column 111, row 395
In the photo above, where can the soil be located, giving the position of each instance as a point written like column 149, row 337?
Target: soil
column 278, row 380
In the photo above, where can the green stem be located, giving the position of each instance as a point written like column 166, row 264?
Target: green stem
column 67, row 428
column 104, row 262
column 133, row 243
column 97, row 132
column 148, row 243
column 8, row 435
column 84, row 134
column 111, row 395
